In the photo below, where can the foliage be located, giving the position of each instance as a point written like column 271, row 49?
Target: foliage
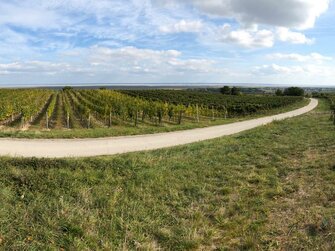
column 233, row 105
column 67, row 88
column 26, row 103
column 125, row 107
column 294, row 91
column 331, row 98
column 279, row 92
column 225, row 90
column 52, row 105
column 235, row 91
column 78, row 109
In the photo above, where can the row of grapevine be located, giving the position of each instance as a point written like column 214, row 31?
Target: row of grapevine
column 24, row 103
column 50, row 109
column 151, row 109
column 225, row 105
column 331, row 98
column 104, row 108
column 80, row 109
column 67, row 111
column 114, row 104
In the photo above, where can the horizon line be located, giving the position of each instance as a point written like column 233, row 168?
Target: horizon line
column 252, row 85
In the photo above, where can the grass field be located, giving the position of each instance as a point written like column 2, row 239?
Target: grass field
column 129, row 129
column 270, row 188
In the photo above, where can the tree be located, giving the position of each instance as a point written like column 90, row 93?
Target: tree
column 67, row 88
column 225, row 90
column 294, row 91
column 279, row 92
column 235, row 91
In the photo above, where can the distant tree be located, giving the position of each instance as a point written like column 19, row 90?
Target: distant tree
column 235, row 91
column 225, row 90
column 279, row 92
column 316, row 94
column 294, row 91
column 67, row 88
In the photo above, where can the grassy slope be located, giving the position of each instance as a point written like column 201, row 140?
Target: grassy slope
column 272, row 187
column 132, row 130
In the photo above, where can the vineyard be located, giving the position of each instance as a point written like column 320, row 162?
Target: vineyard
column 22, row 105
column 78, row 109
column 331, row 98
column 229, row 105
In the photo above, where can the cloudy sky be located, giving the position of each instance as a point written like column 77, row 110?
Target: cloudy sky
column 167, row 41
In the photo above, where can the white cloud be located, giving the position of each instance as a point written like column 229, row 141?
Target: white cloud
column 37, row 67
column 312, row 57
column 147, row 61
column 299, row 14
column 277, row 69
column 318, row 70
column 131, row 55
column 195, row 65
column 62, row 37
column 117, row 21
column 30, row 15
column 182, row 26
column 103, row 19
column 285, row 35
column 126, row 60
column 309, row 69
column 247, row 38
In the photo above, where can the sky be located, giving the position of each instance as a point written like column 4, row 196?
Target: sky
column 286, row 42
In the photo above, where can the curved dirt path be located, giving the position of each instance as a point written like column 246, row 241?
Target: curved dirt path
column 59, row 148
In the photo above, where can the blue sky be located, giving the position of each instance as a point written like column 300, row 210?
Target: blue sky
column 287, row 42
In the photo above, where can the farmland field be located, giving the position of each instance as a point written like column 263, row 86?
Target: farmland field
column 166, row 125
column 96, row 113
column 277, row 193
column 233, row 105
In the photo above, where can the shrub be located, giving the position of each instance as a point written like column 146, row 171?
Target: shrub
column 294, row 91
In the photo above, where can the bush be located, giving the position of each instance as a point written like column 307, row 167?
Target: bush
column 235, row 91
column 67, row 88
column 225, row 90
column 279, row 92
column 294, row 91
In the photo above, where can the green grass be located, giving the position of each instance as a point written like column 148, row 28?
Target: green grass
column 120, row 130
column 271, row 188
